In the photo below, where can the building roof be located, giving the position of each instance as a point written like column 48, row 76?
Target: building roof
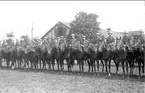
column 63, row 23
column 66, row 24
column 114, row 34
column 135, row 32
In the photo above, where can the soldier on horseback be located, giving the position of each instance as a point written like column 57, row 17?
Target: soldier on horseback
column 73, row 40
column 142, row 38
column 97, row 40
column 110, row 40
column 125, row 39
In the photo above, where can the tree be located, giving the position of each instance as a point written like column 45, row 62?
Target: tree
column 10, row 37
column 24, row 40
column 85, row 24
column 25, row 37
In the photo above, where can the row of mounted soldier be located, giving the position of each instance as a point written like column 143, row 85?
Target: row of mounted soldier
column 39, row 53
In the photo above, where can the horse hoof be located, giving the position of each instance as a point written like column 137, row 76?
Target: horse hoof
column 109, row 74
column 139, row 77
column 123, row 76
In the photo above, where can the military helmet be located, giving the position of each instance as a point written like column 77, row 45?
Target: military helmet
column 110, row 32
column 97, row 33
column 125, row 32
column 83, row 36
column 72, row 34
column 142, row 32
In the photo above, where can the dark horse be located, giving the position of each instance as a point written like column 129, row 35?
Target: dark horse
column 2, row 52
column 121, row 55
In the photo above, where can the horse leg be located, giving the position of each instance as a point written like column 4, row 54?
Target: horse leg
column 102, row 65
column 143, row 66
column 126, row 66
column 0, row 62
column 79, row 62
column 117, row 65
column 139, row 68
column 58, row 63
column 20, row 62
column 49, row 63
column 42, row 63
column 97, row 65
column 53, row 63
column 31, row 64
column 82, row 66
column 7, row 63
column 122, row 62
column 89, row 65
column 92, row 65
column 61, row 64
column 131, row 67
column 68, row 64
column 109, row 67
column 45, row 64
column 106, row 66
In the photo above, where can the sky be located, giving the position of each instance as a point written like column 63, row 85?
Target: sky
column 17, row 16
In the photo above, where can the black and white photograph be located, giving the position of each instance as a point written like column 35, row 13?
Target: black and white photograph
column 72, row 46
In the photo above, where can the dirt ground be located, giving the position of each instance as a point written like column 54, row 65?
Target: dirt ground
column 14, row 81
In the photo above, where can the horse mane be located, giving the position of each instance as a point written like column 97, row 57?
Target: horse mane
column 102, row 45
column 120, row 44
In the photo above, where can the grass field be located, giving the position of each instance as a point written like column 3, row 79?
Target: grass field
column 24, row 81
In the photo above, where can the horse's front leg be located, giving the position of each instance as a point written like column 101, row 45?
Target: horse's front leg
column 110, row 67
column 102, row 61
column 106, row 70
column 122, row 63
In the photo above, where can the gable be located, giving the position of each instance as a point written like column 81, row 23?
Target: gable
column 62, row 23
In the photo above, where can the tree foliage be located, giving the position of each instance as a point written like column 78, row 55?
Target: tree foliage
column 10, row 37
column 85, row 24
column 24, row 40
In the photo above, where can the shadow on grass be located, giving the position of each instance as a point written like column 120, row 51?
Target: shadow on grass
column 81, row 74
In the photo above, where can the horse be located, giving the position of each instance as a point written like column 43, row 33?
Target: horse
column 91, row 57
column 138, row 56
column 105, row 54
column 80, row 57
column 37, row 56
column 21, row 55
column 67, row 55
column 121, row 55
column 2, row 52
column 45, row 55
column 30, row 56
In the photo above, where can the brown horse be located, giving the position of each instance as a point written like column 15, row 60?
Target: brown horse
column 121, row 55
column 105, row 54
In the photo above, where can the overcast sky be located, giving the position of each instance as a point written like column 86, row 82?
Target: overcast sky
column 17, row 16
